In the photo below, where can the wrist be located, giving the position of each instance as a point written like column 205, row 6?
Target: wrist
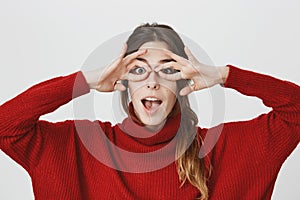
column 223, row 72
column 91, row 78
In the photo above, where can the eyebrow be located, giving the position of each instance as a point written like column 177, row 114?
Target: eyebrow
column 161, row 61
column 167, row 60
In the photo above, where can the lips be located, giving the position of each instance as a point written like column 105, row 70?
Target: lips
column 151, row 104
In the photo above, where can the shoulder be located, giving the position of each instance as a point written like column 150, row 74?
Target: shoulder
column 226, row 133
column 67, row 128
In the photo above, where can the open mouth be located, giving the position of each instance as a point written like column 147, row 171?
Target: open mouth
column 151, row 103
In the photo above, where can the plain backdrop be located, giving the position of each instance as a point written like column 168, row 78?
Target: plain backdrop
column 44, row 39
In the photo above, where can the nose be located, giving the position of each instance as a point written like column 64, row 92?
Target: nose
column 152, row 81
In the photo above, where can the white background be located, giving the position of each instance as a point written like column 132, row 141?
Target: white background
column 43, row 39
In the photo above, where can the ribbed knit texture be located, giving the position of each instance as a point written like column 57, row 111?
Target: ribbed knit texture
column 63, row 158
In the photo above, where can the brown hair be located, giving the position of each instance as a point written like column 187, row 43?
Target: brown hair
column 189, row 166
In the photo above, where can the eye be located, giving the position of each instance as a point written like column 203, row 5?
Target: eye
column 138, row 70
column 169, row 71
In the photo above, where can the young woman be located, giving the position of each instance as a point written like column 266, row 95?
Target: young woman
column 158, row 152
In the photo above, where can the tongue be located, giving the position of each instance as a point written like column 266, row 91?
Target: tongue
column 151, row 104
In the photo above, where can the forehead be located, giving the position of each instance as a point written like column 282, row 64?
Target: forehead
column 155, row 44
column 154, row 51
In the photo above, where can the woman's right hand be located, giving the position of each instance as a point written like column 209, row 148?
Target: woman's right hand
column 107, row 79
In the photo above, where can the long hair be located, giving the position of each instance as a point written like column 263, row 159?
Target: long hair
column 189, row 166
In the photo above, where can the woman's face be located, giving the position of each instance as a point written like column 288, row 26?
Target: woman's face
column 152, row 96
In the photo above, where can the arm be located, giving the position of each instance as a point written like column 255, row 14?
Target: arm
column 19, row 124
column 278, row 132
column 22, row 135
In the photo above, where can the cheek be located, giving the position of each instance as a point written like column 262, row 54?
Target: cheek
column 171, row 88
column 171, row 98
column 134, row 88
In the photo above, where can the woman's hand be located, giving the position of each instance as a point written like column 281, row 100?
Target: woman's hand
column 202, row 76
column 108, row 79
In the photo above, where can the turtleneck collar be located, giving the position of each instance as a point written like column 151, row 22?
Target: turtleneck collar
column 137, row 130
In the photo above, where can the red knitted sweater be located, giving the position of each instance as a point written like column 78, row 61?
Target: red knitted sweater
column 78, row 159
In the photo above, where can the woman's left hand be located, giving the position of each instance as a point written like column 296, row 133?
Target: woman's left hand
column 202, row 76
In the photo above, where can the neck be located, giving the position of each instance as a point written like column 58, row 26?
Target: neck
column 152, row 135
column 155, row 128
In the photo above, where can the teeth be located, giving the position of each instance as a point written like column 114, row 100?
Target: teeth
column 151, row 99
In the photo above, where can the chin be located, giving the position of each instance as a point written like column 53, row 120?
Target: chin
column 153, row 121
column 154, row 124
column 156, row 118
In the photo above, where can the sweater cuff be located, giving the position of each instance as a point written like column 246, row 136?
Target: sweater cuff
column 80, row 86
column 235, row 77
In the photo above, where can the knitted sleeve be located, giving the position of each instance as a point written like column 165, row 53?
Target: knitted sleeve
column 20, row 128
column 276, row 133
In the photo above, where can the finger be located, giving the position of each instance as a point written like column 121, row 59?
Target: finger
column 171, row 77
column 134, row 55
column 112, row 67
column 124, row 49
column 135, row 77
column 172, row 65
column 188, row 52
column 124, row 76
column 119, row 87
column 115, row 64
column 132, row 76
column 186, row 90
column 191, row 88
column 138, row 63
column 175, row 56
